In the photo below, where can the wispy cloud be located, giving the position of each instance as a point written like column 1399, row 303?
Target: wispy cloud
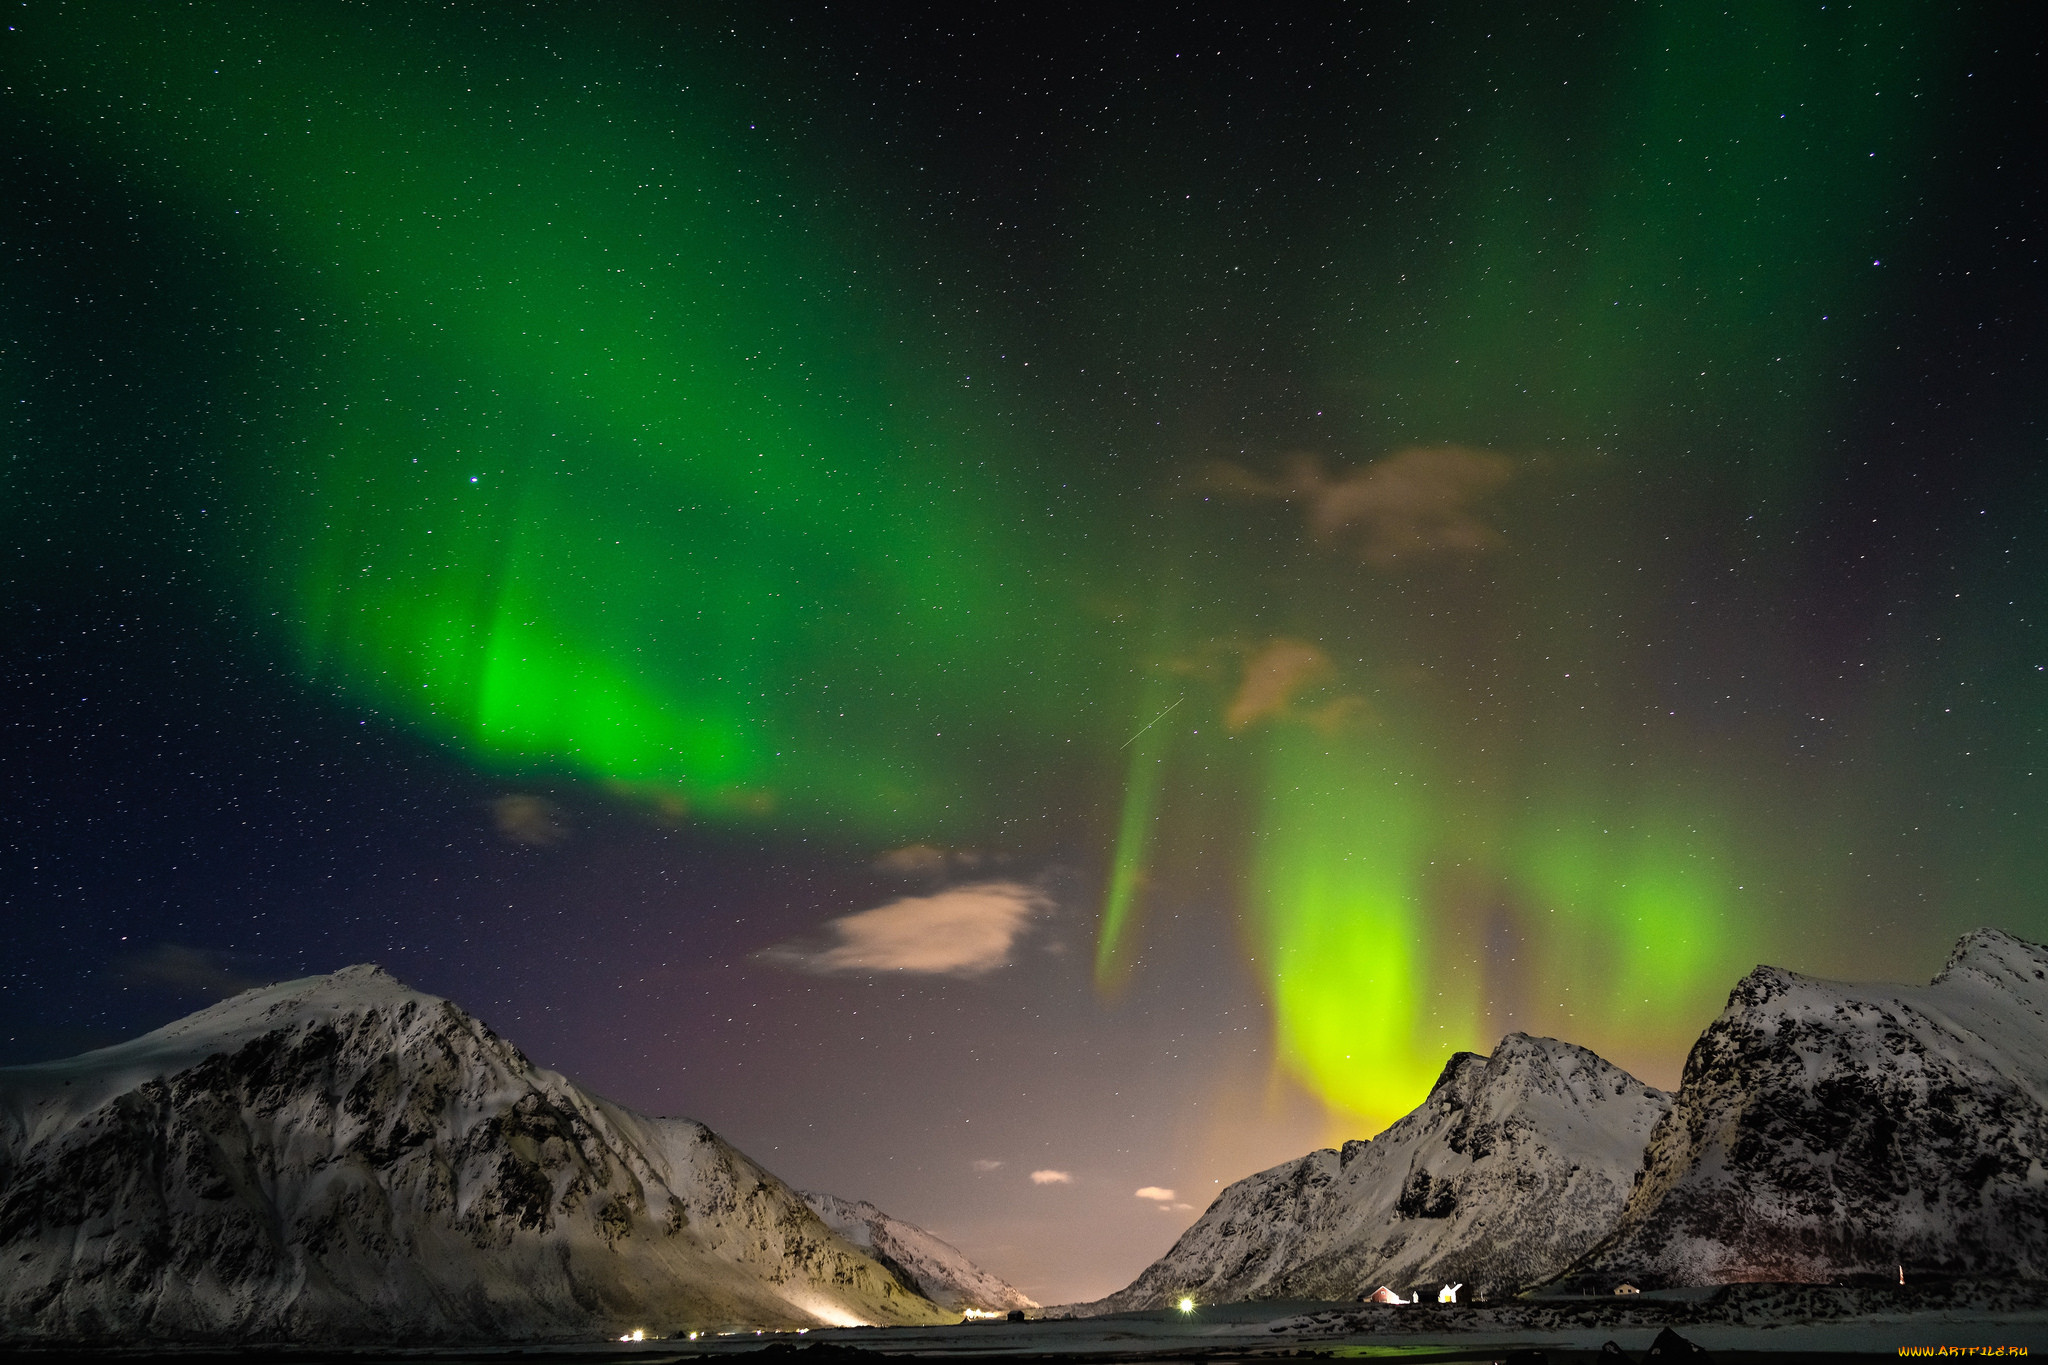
column 1408, row 506
column 1155, row 1192
column 190, row 971
column 912, row 860
column 531, row 820
column 1274, row 678
column 966, row 931
column 1052, row 1177
column 923, row 860
column 986, row 1165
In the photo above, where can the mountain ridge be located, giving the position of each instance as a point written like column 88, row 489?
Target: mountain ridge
column 1512, row 1166
column 935, row 1267
column 343, row 1158
column 1836, row 1132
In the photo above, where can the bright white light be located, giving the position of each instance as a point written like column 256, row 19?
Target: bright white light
column 979, row 1314
column 1187, row 1305
column 827, row 1312
column 639, row 1334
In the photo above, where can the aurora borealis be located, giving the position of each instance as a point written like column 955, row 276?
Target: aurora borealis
column 678, row 500
column 1383, row 529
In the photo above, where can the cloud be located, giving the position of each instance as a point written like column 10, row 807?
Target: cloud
column 1272, row 677
column 1052, row 1177
column 1408, row 506
column 1166, row 1200
column 922, row 860
column 531, row 820
column 967, row 931
column 912, row 861
column 189, row 971
column 987, row 1165
column 1338, row 713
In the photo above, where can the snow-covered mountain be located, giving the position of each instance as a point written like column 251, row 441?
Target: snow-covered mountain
column 1513, row 1167
column 1828, row 1133
column 344, row 1158
column 935, row 1267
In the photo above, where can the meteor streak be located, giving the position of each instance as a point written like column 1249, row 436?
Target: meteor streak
column 1148, row 725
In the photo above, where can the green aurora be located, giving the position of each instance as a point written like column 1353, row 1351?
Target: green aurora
column 602, row 462
column 622, row 444
column 1649, row 287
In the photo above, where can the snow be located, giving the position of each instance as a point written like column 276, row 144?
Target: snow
column 1515, row 1165
column 39, row 1098
column 1841, row 1133
column 938, row 1269
column 345, row 1159
column 1824, row 1133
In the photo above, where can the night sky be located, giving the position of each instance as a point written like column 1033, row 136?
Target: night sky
column 1016, row 604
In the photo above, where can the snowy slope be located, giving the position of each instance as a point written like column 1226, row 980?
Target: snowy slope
column 1514, row 1166
column 1828, row 1132
column 937, row 1268
column 343, row 1158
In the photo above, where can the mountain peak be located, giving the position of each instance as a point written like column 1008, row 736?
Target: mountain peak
column 1513, row 1166
column 351, row 1159
column 77, row 1085
column 1995, row 955
column 1829, row 1131
column 363, row 985
column 1461, row 1067
column 360, row 971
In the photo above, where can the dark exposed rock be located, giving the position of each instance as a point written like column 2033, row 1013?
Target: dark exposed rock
column 343, row 1158
column 1831, row 1133
column 1514, row 1166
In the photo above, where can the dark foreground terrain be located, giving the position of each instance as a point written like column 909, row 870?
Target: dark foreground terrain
column 1732, row 1323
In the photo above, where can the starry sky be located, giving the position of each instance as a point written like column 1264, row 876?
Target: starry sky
column 1025, row 609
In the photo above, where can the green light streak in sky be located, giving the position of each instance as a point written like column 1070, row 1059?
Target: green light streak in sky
column 1644, row 917
column 1667, row 272
column 1121, row 902
column 1349, row 944
column 1390, row 938
column 614, row 452
column 609, row 459
column 1693, row 224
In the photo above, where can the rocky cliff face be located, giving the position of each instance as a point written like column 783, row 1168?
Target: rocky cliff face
column 1513, row 1167
column 935, row 1267
column 343, row 1158
column 1829, row 1133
